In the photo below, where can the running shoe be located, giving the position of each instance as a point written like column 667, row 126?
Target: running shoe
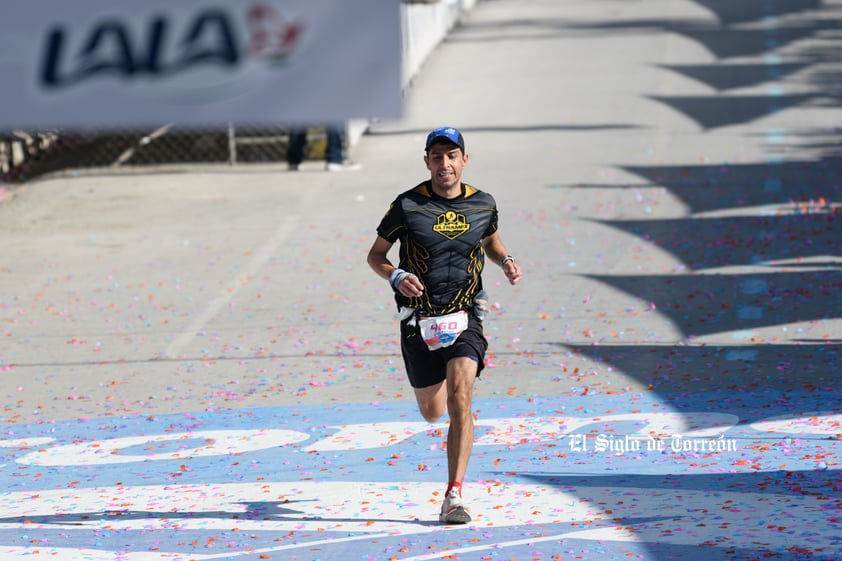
column 452, row 511
column 347, row 165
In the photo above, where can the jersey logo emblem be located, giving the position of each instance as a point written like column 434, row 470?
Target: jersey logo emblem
column 451, row 225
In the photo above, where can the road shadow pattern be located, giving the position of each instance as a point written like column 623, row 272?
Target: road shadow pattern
column 762, row 250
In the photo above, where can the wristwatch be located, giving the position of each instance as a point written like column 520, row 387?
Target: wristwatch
column 506, row 259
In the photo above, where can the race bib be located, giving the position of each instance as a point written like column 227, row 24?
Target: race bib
column 441, row 331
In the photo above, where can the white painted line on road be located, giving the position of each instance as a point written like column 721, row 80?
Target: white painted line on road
column 289, row 223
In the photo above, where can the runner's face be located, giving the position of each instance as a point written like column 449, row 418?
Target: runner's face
column 445, row 162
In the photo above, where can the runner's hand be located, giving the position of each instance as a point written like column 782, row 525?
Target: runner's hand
column 406, row 283
column 411, row 287
column 512, row 271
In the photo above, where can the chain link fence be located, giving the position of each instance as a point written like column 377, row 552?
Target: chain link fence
column 25, row 156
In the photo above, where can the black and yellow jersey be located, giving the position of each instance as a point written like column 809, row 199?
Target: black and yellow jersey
column 441, row 244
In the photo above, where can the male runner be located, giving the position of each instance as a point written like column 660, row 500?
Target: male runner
column 446, row 229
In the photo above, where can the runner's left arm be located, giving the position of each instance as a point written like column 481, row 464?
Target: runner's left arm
column 496, row 252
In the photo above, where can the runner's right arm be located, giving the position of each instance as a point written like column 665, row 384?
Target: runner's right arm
column 379, row 262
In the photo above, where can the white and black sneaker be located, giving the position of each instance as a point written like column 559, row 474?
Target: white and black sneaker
column 452, row 511
column 347, row 165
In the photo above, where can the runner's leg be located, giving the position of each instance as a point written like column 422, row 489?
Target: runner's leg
column 461, row 373
column 432, row 401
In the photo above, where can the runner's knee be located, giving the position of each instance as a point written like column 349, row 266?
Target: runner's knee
column 431, row 412
column 459, row 402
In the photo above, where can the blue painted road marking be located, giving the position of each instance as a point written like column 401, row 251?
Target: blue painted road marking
column 593, row 477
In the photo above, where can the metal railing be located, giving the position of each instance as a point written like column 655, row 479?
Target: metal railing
column 25, row 156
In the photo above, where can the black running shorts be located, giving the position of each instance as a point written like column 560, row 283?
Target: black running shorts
column 426, row 368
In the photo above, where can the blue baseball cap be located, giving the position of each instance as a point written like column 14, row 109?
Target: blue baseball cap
column 447, row 133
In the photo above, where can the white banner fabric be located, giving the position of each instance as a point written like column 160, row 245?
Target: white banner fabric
column 99, row 63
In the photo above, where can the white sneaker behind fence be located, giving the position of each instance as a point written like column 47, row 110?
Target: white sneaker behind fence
column 344, row 166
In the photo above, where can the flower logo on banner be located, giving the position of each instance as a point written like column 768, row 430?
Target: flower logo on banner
column 272, row 36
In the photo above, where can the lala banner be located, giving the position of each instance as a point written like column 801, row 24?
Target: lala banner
column 100, row 63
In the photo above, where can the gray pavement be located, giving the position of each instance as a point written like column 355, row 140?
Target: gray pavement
column 668, row 180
